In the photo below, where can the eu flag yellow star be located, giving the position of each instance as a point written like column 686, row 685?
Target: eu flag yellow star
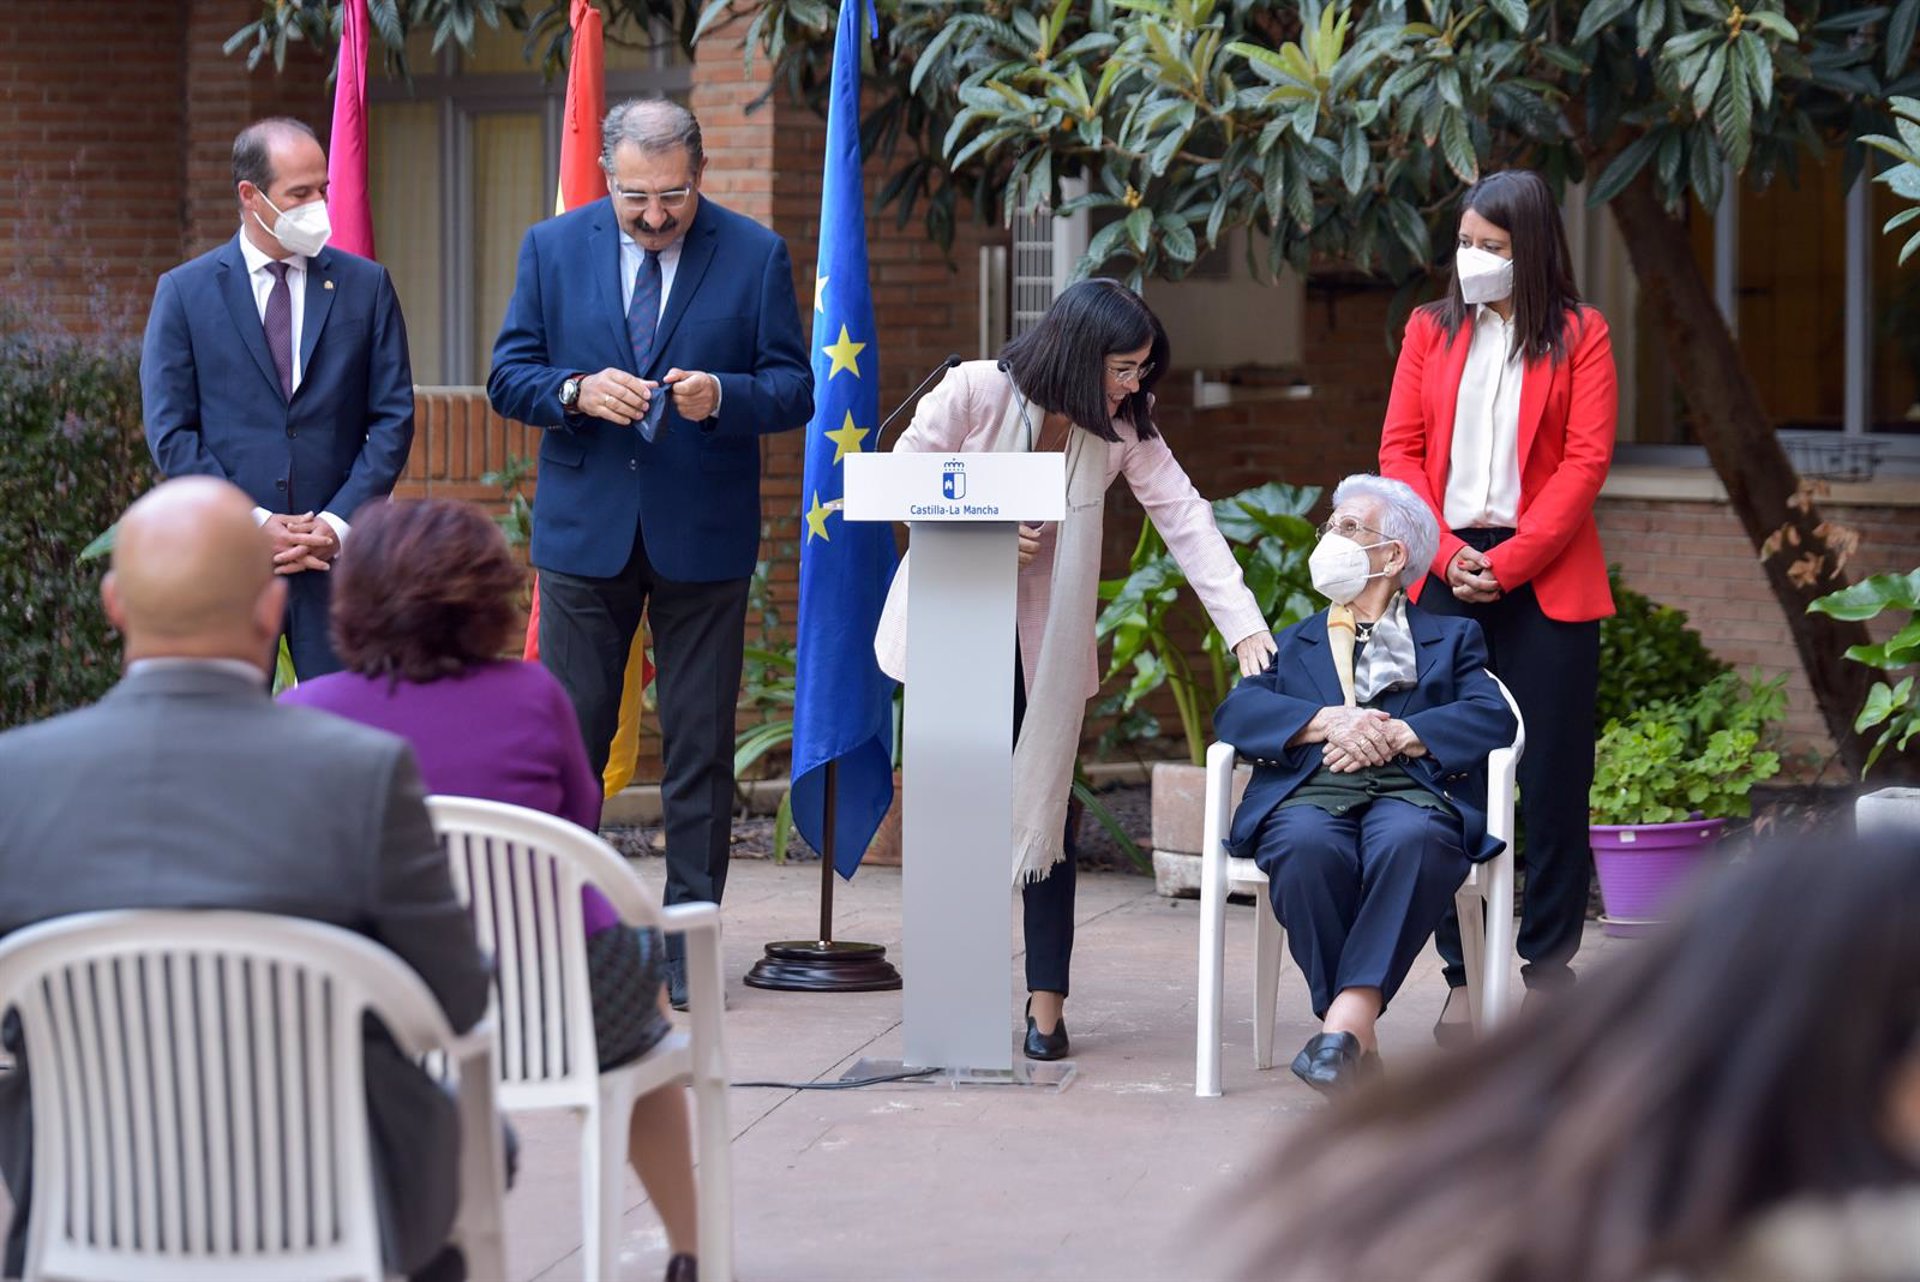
column 844, row 354
column 817, row 519
column 847, row 440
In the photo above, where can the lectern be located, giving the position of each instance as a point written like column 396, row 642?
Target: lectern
column 957, row 739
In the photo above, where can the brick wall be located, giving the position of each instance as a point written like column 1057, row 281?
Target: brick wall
column 91, row 120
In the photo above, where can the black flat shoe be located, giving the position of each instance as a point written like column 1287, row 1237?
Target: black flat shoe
column 1449, row 1033
column 683, row 1268
column 1045, row 1045
column 1334, row 1061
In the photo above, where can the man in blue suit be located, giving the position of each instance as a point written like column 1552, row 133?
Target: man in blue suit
column 656, row 337
column 281, row 365
column 1369, row 736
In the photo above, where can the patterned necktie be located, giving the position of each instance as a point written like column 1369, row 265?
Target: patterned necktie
column 279, row 324
column 643, row 314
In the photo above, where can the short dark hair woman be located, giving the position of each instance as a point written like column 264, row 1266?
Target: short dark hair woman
column 1502, row 418
column 1081, row 382
column 423, row 607
column 1737, row 1098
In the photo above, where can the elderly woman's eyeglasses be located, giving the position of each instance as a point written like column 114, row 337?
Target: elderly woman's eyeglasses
column 1134, row 374
column 671, row 201
column 1348, row 528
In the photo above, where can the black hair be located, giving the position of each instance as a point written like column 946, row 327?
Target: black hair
column 1519, row 202
column 1061, row 362
column 252, row 148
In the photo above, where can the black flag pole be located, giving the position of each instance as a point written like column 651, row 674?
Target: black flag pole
column 825, row 965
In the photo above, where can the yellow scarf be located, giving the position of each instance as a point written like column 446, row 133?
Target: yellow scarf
column 1340, row 640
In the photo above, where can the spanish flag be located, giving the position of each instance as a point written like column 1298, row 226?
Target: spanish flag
column 582, row 182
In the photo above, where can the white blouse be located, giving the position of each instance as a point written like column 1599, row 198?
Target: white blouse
column 1483, row 479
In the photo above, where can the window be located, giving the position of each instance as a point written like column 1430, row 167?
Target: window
column 463, row 162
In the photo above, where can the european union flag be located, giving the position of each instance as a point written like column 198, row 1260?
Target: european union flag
column 843, row 704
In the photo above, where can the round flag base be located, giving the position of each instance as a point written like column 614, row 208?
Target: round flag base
column 814, row 966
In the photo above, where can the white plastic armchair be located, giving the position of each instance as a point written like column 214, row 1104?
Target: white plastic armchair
column 520, row 872
column 199, row 1107
column 1486, row 937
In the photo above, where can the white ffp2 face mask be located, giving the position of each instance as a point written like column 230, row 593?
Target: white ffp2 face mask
column 1484, row 277
column 304, row 229
column 1340, row 568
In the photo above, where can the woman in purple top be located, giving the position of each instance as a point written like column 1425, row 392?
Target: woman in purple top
column 420, row 608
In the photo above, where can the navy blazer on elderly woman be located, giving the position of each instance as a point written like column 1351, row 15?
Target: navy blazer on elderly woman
column 1454, row 706
column 695, row 490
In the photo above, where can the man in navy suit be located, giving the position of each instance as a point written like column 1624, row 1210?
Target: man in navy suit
column 655, row 336
column 281, row 366
column 1369, row 736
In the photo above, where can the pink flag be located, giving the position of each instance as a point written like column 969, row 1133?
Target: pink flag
column 348, row 206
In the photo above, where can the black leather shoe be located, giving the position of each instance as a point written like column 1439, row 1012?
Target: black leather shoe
column 1333, row 1061
column 1449, row 1033
column 677, row 982
column 1045, row 1045
column 683, row 1268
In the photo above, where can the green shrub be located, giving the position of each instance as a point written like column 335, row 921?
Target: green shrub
column 1695, row 757
column 1648, row 654
column 73, row 458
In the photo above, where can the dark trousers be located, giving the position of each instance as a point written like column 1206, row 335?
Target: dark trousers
column 1359, row 893
column 1553, row 670
column 586, row 633
column 1047, row 904
column 309, row 643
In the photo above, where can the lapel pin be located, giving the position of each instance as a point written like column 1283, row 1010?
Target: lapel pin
column 326, row 284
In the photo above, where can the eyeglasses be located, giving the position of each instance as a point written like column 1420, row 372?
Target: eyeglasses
column 671, row 201
column 1348, row 528
column 1135, row 374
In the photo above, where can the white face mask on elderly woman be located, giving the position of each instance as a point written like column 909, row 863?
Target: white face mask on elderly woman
column 1340, row 568
column 1484, row 277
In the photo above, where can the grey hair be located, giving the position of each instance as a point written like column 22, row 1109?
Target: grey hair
column 1404, row 518
column 653, row 125
column 253, row 148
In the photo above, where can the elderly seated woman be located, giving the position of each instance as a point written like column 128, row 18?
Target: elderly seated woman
column 1369, row 736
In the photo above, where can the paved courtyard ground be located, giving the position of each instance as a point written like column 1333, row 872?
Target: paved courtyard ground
column 1111, row 1179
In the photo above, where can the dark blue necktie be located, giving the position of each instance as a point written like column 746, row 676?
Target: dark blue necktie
column 643, row 317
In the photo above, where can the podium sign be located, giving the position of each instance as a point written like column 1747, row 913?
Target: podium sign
column 957, row 823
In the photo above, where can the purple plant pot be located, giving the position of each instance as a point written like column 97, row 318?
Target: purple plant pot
column 1642, row 865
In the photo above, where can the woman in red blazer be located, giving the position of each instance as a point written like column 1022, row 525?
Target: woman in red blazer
column 1502, row 418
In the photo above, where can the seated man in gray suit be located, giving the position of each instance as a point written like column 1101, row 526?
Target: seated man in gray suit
column 188, row 787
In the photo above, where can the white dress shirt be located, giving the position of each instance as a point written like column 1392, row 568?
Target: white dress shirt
column 1483, row 478
column 631, row 252
column 261, row 280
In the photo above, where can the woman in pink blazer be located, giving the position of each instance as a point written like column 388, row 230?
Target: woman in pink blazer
column 1502, row 418
column 1080, row 382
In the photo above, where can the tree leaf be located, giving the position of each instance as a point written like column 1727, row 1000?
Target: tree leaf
column 1868, row 597
column 1514, row 12
column 1623, row 169
column 1901, row 28
column 1354, row 155
column 1733, row 108
column 1598, row 15
column 1140, row 228
column 1707, row 86
column 1457, row 144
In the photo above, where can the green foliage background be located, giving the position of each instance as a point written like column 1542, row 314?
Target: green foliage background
column 72, row 458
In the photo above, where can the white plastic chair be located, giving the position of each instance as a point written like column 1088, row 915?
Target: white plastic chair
column 520, row 872
column 1487, row 939
column 199, row 1110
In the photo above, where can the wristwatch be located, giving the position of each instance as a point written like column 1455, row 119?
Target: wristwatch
column 570, row 394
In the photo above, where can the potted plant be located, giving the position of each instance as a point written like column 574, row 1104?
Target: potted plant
column 1666, row 781
column 1892, row 705
column 1151, row 611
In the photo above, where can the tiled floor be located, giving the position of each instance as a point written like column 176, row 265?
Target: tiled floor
column 1111, row 1179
